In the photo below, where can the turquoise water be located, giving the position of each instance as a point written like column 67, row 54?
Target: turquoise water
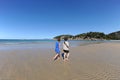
column 40, row 43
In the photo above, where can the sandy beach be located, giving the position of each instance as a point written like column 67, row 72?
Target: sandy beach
column 89, row 62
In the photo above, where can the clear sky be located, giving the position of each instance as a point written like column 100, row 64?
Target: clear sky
column 38, row 19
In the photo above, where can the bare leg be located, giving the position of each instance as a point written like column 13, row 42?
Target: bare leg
column 64, row 55
column 68, row 54
column 56, row 57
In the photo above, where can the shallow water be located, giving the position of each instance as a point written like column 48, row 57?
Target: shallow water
column 28, row 44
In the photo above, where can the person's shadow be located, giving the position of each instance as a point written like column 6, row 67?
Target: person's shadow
column 62, row 55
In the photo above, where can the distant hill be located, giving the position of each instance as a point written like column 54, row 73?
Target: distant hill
column 63, row 36
column 114, row 35
column 92, row 36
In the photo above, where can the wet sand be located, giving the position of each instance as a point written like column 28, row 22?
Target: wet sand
column 89, row 62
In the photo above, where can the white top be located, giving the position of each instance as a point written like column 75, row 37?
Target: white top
column 64, row 46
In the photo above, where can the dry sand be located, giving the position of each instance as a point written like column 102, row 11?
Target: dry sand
column 90, row 62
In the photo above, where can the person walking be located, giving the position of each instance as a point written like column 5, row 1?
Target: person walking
column 66, row 49
column 57, row 50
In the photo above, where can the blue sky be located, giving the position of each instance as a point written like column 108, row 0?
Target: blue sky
column 38, row 19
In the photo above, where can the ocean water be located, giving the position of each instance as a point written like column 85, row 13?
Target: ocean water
column 39, row 43
column 25, row 44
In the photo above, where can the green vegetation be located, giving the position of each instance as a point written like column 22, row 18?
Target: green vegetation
column 92, row 36
column 63, row 36
column 114, row 35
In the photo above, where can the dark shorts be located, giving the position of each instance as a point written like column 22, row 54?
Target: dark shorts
column 66, row 51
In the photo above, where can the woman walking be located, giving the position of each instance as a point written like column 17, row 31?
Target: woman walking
column 57, row 50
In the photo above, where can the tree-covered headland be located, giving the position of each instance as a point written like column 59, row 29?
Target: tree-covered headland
column 92, row 36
